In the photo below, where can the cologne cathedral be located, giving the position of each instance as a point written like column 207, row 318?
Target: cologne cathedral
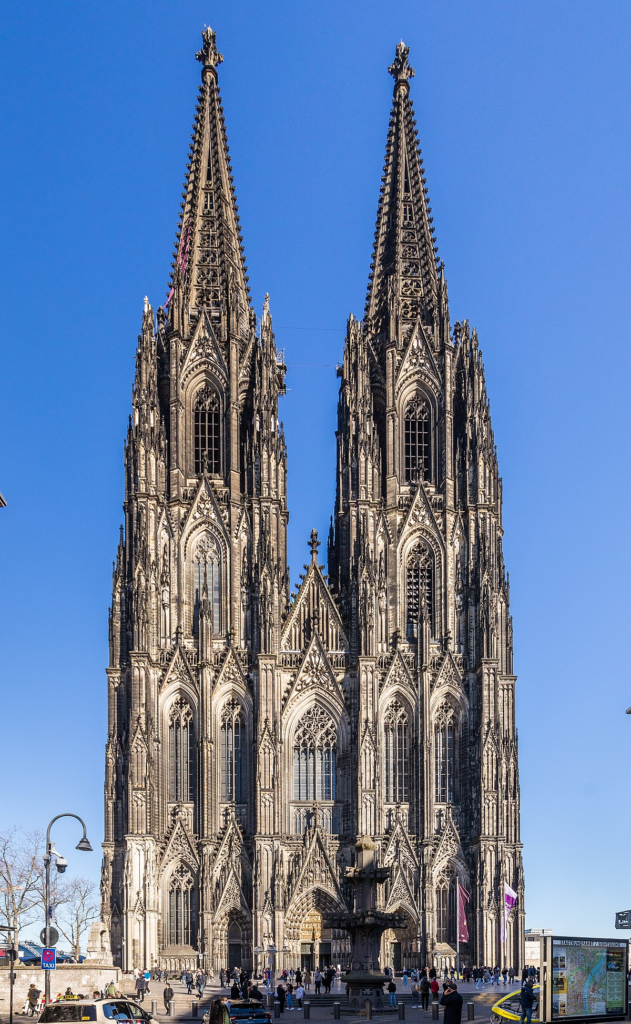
column 255, row 733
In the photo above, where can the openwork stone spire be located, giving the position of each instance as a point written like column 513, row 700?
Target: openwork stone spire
column 209, row 270
column 404, row 277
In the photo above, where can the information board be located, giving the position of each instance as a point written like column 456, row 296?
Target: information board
column 587, row 978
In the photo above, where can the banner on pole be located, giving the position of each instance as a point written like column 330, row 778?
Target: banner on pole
column 463, row 899
column 510, row 899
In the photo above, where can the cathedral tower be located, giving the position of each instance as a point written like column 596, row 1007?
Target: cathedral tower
column 253, row 733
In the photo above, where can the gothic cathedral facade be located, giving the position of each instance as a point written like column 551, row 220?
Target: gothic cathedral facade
column 254, row 733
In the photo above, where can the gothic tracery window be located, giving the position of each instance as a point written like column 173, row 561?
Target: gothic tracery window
column 418, row 454
column 207, row 572
column 233, row 753
column 419, row 590
column 444, row 755
column 182, row 918
column 396, row 754
column 315, row 757
column 207, row 447
column 181, row 752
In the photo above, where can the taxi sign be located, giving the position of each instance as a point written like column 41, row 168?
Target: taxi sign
column 49, row 959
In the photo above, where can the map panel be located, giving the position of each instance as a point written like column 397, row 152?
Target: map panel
column 588, row 978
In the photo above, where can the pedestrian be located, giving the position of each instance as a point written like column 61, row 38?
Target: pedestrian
column 234, row 991
column 280, row 993
column 290, row 996
column 425, row 991
column 307, row 980
column 504, row 973
column 255, row 992
column 188, row 978
column 532, row 974
column 201, row 984
column 415, row 995
column 405, row 978
column 110, row 991
column 452, row 1001
column 434, row 989
column 392, row 989
column 32, row 996
column 526, row 998
column 298, row 977
column 140, row 986
column 168, row 996
column 511, row 974
column 524, row 973
column 317, row 980
column 299, row 993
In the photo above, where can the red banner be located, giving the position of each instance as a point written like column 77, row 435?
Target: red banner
column 463, row 899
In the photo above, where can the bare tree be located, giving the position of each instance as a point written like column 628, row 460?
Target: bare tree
column 78, row 908
column 20, row 878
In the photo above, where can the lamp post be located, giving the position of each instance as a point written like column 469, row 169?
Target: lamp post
column 271, row 951
column 51, row 852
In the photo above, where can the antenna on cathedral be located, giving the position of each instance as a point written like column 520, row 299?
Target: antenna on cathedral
column 209, row 55
column 400, row 69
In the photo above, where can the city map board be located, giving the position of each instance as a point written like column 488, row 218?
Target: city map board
column 589, row 978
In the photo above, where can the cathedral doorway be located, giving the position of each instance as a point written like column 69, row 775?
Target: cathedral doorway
column 234, row 946
column 310, row 935
column 395, row 955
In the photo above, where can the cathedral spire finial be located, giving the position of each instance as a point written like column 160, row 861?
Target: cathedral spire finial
column 209, row 55
column 314, row 544
column 400, row 69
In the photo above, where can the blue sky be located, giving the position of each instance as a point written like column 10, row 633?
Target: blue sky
column 523, row 112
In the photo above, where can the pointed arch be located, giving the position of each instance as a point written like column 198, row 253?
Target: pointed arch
column 206, row 428
column 234, row 765
column 182, row 906
column 417, row 431
column 181, row 747
column 419, row 590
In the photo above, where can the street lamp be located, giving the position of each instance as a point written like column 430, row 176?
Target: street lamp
column 62, row 864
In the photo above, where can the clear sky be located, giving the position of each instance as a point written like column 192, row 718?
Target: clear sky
column 524, row 118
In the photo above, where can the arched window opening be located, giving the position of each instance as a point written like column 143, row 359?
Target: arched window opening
column 207, row 448
column 446, row 910
column 418, row 432
column 181, row 752
column 207, row 573
column 315, row 757
column 182, row 917
column 420, row 591
column 396, row 754
column 445, row 756
column 233, row 753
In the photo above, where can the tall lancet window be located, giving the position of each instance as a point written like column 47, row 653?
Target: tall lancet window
column 207, row 570
column 181, row 752
column 445, row 756
column 420, row 591
column 418, row 437
column 315, row 757
column 207, row 447
column 182, row 918
column 233, row 753
column 396, row 754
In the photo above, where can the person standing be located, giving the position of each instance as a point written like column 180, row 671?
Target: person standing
column 290, row 996
column 317, row 980
column 452, row 1002
column 32, row 996
column 415, row 995
column 527, row 999
column 280, row 995
column 201, row 984
column 307, row 980
column 511, row 974
column 425, row 991
column 434, row 988
column 392, row 990
column 300, row 992
column 167, row 996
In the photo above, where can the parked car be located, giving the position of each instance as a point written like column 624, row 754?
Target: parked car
column 72, row 1011
column 250, row 1010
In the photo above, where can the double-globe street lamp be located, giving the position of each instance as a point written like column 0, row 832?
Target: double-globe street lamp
column 62, row 864
column 271, row 952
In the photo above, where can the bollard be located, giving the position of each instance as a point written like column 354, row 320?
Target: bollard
column 470, row 1011
column 435, row 1015
column 336, row 1011
column 154, row 1007
column 171, row 1008
column 368, row 1009
column 270, row 1000
column 307, row 1010
column 194, row 1008
column 401, row 1011
column 276, row 1010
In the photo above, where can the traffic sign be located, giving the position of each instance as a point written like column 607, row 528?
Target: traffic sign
column 49, row 959
column 54, row 936
column 623, row 919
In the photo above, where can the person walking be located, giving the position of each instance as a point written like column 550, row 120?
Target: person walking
column 511, row 974
column 32, row 997
column 504, row 973
column 280, row 994
column 425, row 991
column 527, row 999
column 415, row 995
column 392, row 990
column 434, row 989
column 452, row 1002
column 167, row 996
column 299, row 993
column 201, row 984
column 141, row 987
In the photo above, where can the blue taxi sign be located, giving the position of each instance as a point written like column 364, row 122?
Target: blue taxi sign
column 49, row 959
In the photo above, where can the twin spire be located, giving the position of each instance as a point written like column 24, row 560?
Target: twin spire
column 209, row 270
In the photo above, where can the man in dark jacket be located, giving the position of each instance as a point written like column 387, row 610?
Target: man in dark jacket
column 527, row 999
column 167, row 996
column 452, row 1001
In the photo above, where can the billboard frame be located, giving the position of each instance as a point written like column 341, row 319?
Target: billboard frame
column 545, row 990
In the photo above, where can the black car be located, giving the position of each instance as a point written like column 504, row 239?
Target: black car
column 231, row 1011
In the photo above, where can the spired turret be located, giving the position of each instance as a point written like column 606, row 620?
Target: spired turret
column 254, row 733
